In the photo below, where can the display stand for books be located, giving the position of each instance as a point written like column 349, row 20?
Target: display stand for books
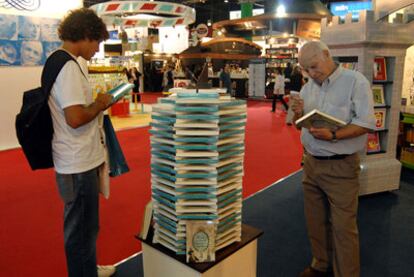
column 378, row 50
column 238, row 259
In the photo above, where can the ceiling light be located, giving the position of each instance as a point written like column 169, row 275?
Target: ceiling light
column 280, row 11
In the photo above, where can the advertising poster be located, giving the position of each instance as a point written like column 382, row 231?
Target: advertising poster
column 26, row 40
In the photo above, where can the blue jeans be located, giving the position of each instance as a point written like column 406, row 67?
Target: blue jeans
column 80, row 194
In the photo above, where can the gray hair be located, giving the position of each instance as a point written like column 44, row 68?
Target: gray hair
column 314, row 48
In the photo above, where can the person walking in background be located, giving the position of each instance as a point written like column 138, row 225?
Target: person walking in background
column 279, row 90
column 170, row 77
column 77, row 144
column 288, row 70
column 135, row 76
column 296, row 82
column 331, row 162
column 128, row 75
column 225, row 79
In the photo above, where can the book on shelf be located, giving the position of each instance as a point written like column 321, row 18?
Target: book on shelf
column 380, row 115
column 201, row 239
column 146, row 221
column 378, row 95
column 373, row 143
column 350, row 65
column 380, row 69
column 120, row 91
column 318, row 119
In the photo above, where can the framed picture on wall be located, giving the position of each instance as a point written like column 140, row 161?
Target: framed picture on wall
column 380, row 69
column 378, row 95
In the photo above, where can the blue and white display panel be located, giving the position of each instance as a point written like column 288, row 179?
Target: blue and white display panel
column 26, row 40
column 342, row 8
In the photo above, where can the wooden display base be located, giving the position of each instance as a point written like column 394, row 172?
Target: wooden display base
column 238, row 259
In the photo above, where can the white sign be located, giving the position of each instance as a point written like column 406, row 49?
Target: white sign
column 237, row 14
column 202, row 30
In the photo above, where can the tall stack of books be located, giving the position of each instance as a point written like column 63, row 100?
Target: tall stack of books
column 197, row 151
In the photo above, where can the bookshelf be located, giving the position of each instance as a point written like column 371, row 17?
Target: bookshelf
column 407, row 141
column 377, row 50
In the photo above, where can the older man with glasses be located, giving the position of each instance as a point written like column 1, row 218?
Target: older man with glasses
column 331, row 164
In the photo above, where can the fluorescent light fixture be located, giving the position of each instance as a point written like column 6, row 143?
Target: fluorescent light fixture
column 280, row 11
column 143, row 16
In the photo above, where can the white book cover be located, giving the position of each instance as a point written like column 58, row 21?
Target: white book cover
column 318, row 119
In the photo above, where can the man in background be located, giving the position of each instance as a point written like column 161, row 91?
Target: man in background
column 331, row 164
column 77, row 144
column 225, row 79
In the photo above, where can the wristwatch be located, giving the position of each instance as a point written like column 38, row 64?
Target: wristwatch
column 334, row 139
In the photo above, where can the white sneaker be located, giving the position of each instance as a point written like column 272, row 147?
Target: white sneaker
column 106, row 270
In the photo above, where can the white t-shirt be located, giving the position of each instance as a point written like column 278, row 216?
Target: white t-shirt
column 74, row 150
column 279, row 87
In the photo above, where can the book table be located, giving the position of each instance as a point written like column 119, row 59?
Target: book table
column 237, row 259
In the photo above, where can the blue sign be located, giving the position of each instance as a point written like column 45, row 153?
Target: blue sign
column 342, row 8
column 113, row 34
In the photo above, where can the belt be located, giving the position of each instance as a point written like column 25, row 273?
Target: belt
column 334, row 157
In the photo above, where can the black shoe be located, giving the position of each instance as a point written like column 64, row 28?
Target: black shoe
column 311, row 272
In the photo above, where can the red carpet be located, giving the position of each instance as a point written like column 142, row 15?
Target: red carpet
column 31, row 239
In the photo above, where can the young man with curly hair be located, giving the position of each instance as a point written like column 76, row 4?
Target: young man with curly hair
column 77, row 144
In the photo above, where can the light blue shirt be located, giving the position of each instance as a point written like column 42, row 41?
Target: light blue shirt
column 346, row 95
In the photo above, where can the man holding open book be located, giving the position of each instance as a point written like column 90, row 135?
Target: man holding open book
column 331, row 164
column 78, row 145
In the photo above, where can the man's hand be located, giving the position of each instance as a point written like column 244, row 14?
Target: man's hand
column 103, row 100
column 321, row 133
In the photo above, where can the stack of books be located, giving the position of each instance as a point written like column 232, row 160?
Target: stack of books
column 197, row 151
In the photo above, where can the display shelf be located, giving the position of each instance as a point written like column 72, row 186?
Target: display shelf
column 377, row 152
column 368, row 43
column 382, row 106
column 407, row 141
column 382, row 82
column 407, row 164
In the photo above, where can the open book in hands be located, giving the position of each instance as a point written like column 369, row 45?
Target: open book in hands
column 318, row 119
column 120, row 91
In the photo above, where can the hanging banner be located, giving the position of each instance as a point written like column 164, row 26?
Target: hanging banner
column 162, row 14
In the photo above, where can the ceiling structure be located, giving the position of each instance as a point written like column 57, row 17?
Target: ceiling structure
column 218, row 10
column 213, row 10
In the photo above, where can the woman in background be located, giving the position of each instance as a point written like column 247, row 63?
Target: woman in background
column 279, row 90
column 296, row 82
column 136, row 75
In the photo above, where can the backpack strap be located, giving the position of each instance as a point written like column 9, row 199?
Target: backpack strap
column 52, row 68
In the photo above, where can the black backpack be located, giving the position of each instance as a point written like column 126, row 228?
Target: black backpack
column 34, row 125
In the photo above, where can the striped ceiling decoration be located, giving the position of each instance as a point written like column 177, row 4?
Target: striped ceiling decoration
column 160, row 14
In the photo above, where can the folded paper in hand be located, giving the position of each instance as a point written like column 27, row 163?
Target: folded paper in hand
column 120, row 91
column 318, row 119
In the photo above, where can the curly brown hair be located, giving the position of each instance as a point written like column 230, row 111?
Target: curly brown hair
column 82, row 24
